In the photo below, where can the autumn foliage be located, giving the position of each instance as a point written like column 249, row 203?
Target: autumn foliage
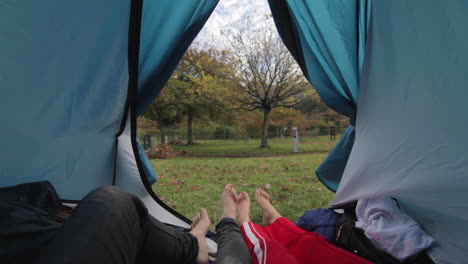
column 163, row 152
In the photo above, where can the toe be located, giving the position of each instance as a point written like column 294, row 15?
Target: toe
column 258, row 192
column 203, row 212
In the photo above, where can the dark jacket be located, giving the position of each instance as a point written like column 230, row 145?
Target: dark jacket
column 27, row 220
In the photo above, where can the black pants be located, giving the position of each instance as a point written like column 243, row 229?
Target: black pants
column 112, row 226
column 231, row 246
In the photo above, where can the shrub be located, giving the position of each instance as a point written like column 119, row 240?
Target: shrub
column 222, row 133
column 176, row 141
column 163, row 152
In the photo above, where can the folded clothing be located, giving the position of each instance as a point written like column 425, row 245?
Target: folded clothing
column 321, row 221
column 391, row 229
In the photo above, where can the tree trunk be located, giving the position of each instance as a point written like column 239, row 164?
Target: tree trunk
column 161, row 130
column 189, row 129
column 266, row 121
column 163, row 136
column 236, row 132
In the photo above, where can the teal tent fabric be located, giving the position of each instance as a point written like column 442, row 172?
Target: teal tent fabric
column 64, row 80
column 332, row 168
column 327, row 38
column 168, row 28
column 411, row 123
column 63, row 85
column 149, row 171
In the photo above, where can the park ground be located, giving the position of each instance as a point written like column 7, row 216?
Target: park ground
column 188, row 183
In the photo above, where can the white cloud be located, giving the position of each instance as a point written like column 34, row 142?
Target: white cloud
column 229, row 11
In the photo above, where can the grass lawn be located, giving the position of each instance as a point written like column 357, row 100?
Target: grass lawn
column 188, row 184
column 277, row 146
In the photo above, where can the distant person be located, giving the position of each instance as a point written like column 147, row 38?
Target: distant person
column 332, row 132
column 281, row 241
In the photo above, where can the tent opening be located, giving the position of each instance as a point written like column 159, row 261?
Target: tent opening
column 204, row 129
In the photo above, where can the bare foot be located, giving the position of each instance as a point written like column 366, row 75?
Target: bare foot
column 200, row 225
column 229, row 201
column 243, row 207
column 269, row 212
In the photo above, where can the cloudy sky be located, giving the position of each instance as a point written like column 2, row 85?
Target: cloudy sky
column 228, row 11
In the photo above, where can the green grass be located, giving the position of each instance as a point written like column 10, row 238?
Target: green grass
column 276, row 146
column 188, row 184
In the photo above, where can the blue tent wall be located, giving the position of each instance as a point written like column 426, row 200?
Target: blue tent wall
column 411, row 123
column 327, row 38
column 167, row 29
column 63, row 81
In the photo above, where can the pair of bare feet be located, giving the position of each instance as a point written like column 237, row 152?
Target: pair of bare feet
column 234, row 205
column 238, row 205
column 200, row 225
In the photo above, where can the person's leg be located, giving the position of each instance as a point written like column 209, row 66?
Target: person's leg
column 278, row 227
column 231, row 246
column 166, row 244
column 200, row 225
column 269, row 213
column 112, row 226
column 307, row 247
column 262, row 247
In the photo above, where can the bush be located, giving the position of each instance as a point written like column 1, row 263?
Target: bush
column 163, row 152
column 176, row 141
column 222, row 133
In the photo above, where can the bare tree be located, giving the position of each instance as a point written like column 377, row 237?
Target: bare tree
column 267, row 75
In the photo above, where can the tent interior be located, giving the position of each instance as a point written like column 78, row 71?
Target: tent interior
column 75, row 76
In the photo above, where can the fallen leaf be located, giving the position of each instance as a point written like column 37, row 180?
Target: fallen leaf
column 264, row 168
column 177, row 182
